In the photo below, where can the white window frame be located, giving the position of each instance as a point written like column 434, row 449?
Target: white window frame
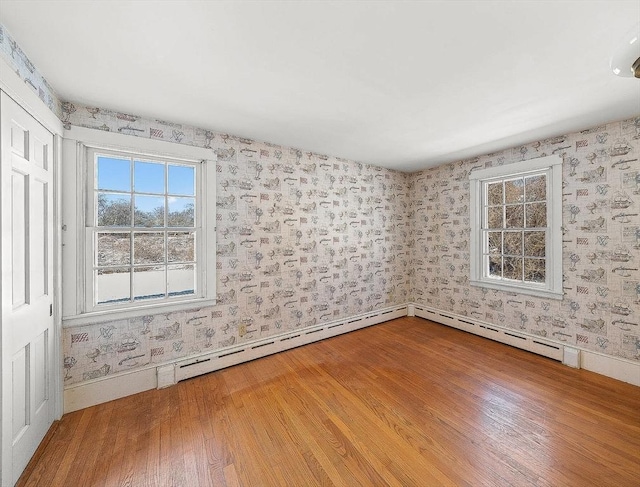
column 78, row 225
column 552, row 167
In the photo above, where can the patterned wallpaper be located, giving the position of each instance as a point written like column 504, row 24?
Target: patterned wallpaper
column 601, row 243
column 302, row 239
column 305, row 238
column 10, row 51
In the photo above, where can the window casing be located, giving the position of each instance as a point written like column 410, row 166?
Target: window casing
column 516, row 227
column 141, row 229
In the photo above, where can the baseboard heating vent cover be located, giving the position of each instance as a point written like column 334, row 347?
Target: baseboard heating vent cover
column 525, row 341
column 209, row 362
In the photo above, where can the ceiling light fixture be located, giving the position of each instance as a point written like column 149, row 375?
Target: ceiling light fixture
column 625, row 61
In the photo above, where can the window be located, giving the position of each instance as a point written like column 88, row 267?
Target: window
column 144, row 229
column 516, row 234
column 149, row 220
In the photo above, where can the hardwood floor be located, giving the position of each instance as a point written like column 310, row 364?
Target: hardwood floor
column 403, row 403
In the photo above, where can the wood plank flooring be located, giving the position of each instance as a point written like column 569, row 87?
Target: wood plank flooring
column 404, row 403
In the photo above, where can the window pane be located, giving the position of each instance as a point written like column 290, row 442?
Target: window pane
column 494, row 217
column 114, row 174
column 494, row 193
column 534, row 244
column 181, row 212
column 495, row 266
column 514, row 216
column 534, row 270
column 495, row 243
column 181, row 246
column 113, row 285
column 148, row 248
column 182, row 180
column 114, row 210
column 114, row 249
column 149, row 282
column 148, row 177
column 181, row 280
column 149, row 211
column 536, row 215
column 513, row 268
column 535, row 188
column 513, row 243
column 514, row 190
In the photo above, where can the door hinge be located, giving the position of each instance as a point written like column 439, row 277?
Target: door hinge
column 51, row 310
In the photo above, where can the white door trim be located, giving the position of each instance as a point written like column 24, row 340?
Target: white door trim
column 22, row 94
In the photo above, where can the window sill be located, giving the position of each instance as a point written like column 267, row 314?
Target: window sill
column 511, row 288
column 134, row 312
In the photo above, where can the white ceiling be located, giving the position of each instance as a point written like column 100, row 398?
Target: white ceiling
column 404, row 85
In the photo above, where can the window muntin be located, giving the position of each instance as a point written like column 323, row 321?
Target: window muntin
column 514, row 228
column 145, row 229
column 516, row 234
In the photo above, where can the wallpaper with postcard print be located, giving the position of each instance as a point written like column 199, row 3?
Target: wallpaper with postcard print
column 303, row 239
column 16, row 58
column 601, row 243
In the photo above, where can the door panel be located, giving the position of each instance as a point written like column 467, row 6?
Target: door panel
column 18, row 239
column 19, row 140
column 39, row 153
column 38, row 239
column 40, row 375
column 26, row 220
column 20, row 380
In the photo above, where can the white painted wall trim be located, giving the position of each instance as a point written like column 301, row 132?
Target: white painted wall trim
column 17, row 89
column 91, row 393
column 615, row 367
column 608, row 365
column 108, row 389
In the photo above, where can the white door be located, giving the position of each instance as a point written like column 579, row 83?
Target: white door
column 26, row 217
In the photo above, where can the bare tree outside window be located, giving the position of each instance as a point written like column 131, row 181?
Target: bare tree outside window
column 515, row 228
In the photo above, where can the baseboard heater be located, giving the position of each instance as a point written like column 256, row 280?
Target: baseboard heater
column 185, row 369
column 508, row 336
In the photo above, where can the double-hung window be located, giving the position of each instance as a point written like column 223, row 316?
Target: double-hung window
column 516, row 227
column 146, row 224
column 146, row 237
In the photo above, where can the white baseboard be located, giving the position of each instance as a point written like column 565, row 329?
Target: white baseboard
column 608, row 365
column 86, row 394
column 91, row 393
column 618, row 368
